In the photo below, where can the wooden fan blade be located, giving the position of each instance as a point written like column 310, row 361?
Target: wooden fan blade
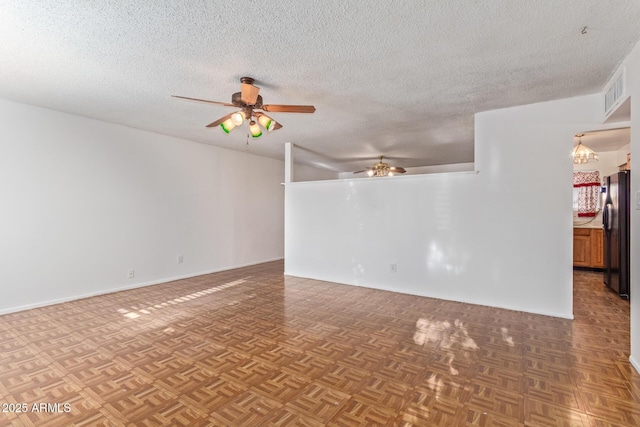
column 397, row 169
column 226, row 104
column 249, row 93
column 275, row 108
column 363, row 170
column 277, row 126
column 220, row 120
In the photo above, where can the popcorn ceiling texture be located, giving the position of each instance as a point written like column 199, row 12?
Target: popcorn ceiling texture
column 399, row 78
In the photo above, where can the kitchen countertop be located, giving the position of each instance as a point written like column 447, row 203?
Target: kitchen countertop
column 587, row 222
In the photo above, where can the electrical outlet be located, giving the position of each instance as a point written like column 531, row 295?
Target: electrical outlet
column 131, row 274
column 180, row 259
column 394, row 268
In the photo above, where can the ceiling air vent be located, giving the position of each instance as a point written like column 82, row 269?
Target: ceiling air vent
column 615, row 93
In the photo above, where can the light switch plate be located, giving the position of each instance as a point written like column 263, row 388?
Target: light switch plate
column 638, row 200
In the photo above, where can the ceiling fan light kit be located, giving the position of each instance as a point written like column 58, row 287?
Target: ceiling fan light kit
column 249, row 100
column 382, row 169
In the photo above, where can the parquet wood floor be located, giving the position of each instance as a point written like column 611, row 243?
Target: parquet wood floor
column 251, row 347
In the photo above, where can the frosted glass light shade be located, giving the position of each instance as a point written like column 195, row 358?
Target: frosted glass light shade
column 228, row 125
column 267, row 122
column 254, row 129
column 238, row 118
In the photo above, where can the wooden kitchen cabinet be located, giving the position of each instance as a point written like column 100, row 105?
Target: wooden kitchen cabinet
column 597, row 253
column 587, row 247
column 581, row 247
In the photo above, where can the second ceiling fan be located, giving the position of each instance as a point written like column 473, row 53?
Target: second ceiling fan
column 249, row 101
column 382, row 169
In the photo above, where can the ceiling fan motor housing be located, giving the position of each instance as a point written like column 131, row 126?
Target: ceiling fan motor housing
column 236, row 99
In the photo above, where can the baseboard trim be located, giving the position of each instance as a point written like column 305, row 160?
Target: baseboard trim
column 409, row 292
column 128, row 287
column 635, row 364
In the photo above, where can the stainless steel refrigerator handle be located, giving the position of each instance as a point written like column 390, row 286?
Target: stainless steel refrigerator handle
column 609, row 211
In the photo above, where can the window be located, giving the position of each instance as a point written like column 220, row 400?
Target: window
column 575, row 200
column 586, row 193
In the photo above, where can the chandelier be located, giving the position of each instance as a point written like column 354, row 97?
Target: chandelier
column 582, row 154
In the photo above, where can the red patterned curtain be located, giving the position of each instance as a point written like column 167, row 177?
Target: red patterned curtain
column 588, row 185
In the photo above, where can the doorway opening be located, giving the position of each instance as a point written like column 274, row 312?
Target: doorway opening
column 601, row 208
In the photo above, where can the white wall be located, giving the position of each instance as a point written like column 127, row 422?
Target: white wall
column 501, row 237
column 84, row 201
column 309, row 173
column 632, row 65
column 453, row 167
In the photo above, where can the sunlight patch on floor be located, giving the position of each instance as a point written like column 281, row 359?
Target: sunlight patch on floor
column 138, row 312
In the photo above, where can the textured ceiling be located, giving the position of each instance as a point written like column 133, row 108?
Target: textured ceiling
column 399, row 78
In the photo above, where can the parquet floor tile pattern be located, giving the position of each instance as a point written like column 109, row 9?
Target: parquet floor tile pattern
column 252, row 347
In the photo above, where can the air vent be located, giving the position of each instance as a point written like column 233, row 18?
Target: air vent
column 615, row 93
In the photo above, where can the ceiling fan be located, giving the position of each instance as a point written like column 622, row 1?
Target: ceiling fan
column 382, row 169
column 248, row 101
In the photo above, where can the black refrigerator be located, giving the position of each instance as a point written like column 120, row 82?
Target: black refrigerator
column 616, row 221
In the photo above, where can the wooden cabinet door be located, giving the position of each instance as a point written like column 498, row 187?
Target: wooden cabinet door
column 581, row 247
column 597, row 254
